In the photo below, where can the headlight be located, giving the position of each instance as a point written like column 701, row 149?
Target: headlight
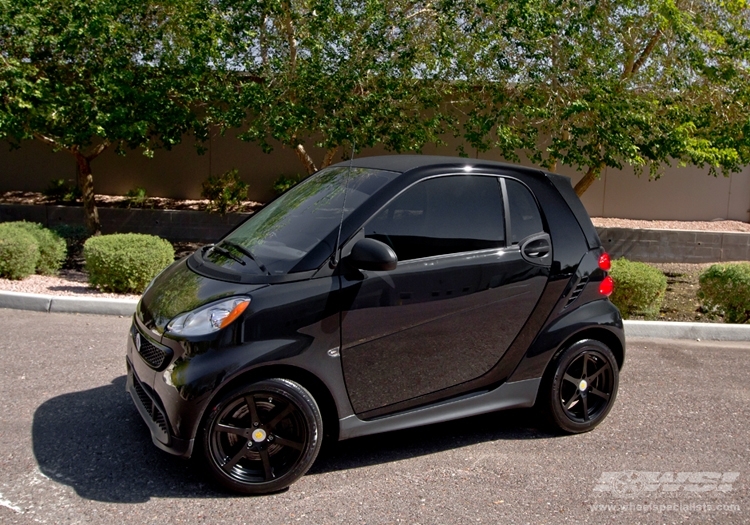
column 208, row 319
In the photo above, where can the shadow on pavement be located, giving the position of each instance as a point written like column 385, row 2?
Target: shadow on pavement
column 96, row 442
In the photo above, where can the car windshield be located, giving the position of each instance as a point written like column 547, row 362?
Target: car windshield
column 294, row 232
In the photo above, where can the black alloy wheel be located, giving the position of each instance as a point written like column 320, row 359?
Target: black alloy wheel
column 263, row 437
column 583, row 387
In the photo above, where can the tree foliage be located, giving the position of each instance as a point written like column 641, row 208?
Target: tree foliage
column 336, row 73
column 87, row 75
column 607, row 84
column 578, row 83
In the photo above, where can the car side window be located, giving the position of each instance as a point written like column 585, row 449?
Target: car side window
column 525, row 218
column 444, row 215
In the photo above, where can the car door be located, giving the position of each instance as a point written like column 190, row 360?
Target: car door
column 459, row 296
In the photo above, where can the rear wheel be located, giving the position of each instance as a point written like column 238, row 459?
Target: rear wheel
column 582, row 387
column 262, row 437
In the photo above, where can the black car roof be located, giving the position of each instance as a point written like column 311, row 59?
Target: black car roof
column 404, row 163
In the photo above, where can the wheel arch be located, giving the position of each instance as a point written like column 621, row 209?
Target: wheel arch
column 599, row 334
column 319, row 391
column 596, row 333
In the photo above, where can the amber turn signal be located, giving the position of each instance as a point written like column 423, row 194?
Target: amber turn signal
column 235, row 313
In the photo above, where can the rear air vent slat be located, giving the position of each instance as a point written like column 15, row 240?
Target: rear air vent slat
column 577, row 291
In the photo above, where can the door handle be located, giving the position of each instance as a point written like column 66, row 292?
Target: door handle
column 537, row 248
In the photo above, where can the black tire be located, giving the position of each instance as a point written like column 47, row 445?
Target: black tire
column 581, row 387
column 262, row 437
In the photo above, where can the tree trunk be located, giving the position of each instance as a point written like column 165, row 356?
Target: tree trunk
column 86, row 183
column 588, row 179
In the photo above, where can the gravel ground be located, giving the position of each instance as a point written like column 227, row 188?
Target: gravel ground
column 68, row 283
column 714, row 226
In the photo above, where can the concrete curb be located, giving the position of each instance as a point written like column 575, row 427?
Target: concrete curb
column 675, row 330
column 126, row 307
column 65, row 304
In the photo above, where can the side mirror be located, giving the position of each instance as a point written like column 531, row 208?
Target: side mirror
column 369, row 254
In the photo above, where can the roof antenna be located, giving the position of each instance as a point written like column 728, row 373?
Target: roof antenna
column 335, row 256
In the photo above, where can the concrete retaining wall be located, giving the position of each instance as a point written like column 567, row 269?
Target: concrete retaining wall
column 675, row 245
column 679, row 194
column 175, row 225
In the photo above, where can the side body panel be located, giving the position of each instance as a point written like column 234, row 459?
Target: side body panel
column 433, row 324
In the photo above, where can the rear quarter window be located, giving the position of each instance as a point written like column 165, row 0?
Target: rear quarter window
column 525, row 218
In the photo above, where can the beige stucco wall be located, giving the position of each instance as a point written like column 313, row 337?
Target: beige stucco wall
column 680, row 194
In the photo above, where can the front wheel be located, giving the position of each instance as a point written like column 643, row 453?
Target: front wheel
column 262, row 437
column 582, row 388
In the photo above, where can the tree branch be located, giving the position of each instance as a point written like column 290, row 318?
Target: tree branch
column 328, row 159
column 299, row 149
column 97, row 150
column 289, row 28
column 588, row 179
column 632, row 69
column 46, row 140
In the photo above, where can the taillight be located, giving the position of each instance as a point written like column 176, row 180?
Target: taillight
column 607, row 286
column 604, row 262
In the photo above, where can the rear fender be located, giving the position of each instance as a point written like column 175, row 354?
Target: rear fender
column 594, row 320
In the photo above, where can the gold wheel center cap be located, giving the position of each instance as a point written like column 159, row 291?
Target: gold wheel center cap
column 259, row 435
column 582, row 385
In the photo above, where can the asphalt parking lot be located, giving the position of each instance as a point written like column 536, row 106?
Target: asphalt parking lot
column 674, row 449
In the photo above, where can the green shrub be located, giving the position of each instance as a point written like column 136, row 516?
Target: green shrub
column 725, row 289
column 284, row 183
column 52, row 248
column 59, row 190
column 639, row 288
column 225, row 192
column 125, row 262
column 19, row 253
column 137, row 197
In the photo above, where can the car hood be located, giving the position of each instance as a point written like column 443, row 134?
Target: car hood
column 178, row 289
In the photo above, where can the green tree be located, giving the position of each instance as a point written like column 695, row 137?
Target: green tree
column 335, row 73
column 87, row 75
column 605, row 84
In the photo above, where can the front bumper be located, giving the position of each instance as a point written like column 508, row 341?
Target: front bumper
column 152, row 411
column 158, row 403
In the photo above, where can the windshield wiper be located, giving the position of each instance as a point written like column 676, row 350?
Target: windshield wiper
column 227, row 253
column 246, row 252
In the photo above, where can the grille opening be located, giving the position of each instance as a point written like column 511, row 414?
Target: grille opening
column 153, row 355
column 157, row 416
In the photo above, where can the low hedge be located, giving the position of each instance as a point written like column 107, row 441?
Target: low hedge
column 125, row 262
column 52, row 247
column 725, row 289
column 639, row 288
column 19, row 253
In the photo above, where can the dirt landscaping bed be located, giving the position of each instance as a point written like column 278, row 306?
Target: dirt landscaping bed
column 119, row 201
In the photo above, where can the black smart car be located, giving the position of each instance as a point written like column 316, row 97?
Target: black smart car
column 381, row 294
